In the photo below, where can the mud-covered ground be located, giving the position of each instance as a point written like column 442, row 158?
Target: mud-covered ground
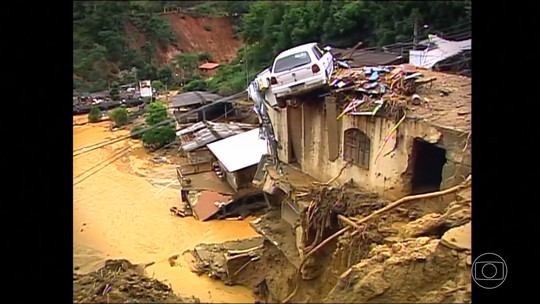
column 420, row 252
column 119, row 281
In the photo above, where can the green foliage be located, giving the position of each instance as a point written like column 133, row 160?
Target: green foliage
column 195, row 85
column 269, row 27
column 208, row 27
column 95, row 114
column 188, row 64
column 115, row 91
column 210, row 8
column 159, row 30
column 156, row 84
column 204, row 56
column 165, row 75
column 100, row 45
column 119, row 116
column 135, row 131
column 156, row 113
column 149, row 71
column 158, row 137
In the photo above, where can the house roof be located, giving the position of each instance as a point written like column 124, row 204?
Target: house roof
column 202, row 133
column 443, row 50
column 367, row 58
column 192, row 98
column 205, row 207
column 209, row 65
column 239, row 151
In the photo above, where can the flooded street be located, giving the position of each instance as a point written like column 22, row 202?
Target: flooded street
column 121, row 210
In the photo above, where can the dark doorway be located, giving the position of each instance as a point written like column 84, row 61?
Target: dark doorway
column 427, row 167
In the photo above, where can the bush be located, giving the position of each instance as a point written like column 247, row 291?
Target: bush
column 208, row 27
column 204, row 56
column 195, row 85
column 95, row 114
column 158, row 137
column 120, row 116
column 115, row 94
column 136, row 129
column 156, row 113
column 156, row 84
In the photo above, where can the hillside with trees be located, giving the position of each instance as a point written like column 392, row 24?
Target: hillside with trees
column 102, row 51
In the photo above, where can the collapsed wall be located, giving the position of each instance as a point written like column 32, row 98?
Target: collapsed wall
column 409, row 253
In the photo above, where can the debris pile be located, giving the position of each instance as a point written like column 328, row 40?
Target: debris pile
column 368, row 90
column 227, row 260
column 119, row 281
column 419, row 270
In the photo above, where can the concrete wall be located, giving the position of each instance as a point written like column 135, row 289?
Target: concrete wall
column 388, row 176
column 240, row 179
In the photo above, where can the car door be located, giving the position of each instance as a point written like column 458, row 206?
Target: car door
column 326, row 60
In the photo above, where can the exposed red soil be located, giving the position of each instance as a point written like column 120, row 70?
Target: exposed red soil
column 195, row 34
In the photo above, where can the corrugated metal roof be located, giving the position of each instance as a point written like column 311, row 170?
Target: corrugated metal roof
column 191, row 98
column 206, row 207
column 367, row 58
column 209, row 65
column 239, row 151
column 203, row 133
column 444, row 50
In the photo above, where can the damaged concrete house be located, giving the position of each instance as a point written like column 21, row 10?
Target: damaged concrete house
column 221, row 162
column 376, row 135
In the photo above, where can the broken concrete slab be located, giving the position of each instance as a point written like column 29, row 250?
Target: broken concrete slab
column 225, row 261
column 458, row 238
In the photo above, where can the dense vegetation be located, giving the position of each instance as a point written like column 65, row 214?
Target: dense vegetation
column 119, row 116
column 161, row 134
column 102, row 53
column 95, row 114
column 270, row 27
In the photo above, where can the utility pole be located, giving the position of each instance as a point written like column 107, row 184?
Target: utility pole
column 245, row 58
column 415, row 34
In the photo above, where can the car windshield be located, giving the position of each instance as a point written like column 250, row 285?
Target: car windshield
column 291, row 62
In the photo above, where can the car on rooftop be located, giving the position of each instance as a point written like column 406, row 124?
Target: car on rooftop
column 300, row 70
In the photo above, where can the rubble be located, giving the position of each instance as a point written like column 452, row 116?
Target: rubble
column 372, row 89
column 227, row 260
column 120, row 281
column 429, row 224
column 458, row 238
column 418, row 270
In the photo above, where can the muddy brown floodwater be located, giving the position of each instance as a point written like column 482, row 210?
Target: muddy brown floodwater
column 122, row 211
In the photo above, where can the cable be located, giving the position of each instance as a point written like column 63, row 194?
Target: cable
column 111, row 161
column 125, row 151
column 102, row 144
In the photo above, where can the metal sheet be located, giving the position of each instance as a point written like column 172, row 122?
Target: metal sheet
column 205, row 207
column 239, row 151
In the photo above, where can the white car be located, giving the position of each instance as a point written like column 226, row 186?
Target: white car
column 300, row 70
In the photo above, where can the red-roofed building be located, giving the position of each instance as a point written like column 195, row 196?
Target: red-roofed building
column 208, row 68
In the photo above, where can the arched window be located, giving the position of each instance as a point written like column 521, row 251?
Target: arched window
column 356, row 147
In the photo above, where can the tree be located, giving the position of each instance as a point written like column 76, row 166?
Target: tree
column 158, row 137
column 120, row 116
column 188, row 64
column 94, row 115
column 204, row 56
column 156, row 84
column 165, row 74
column 156, row 113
